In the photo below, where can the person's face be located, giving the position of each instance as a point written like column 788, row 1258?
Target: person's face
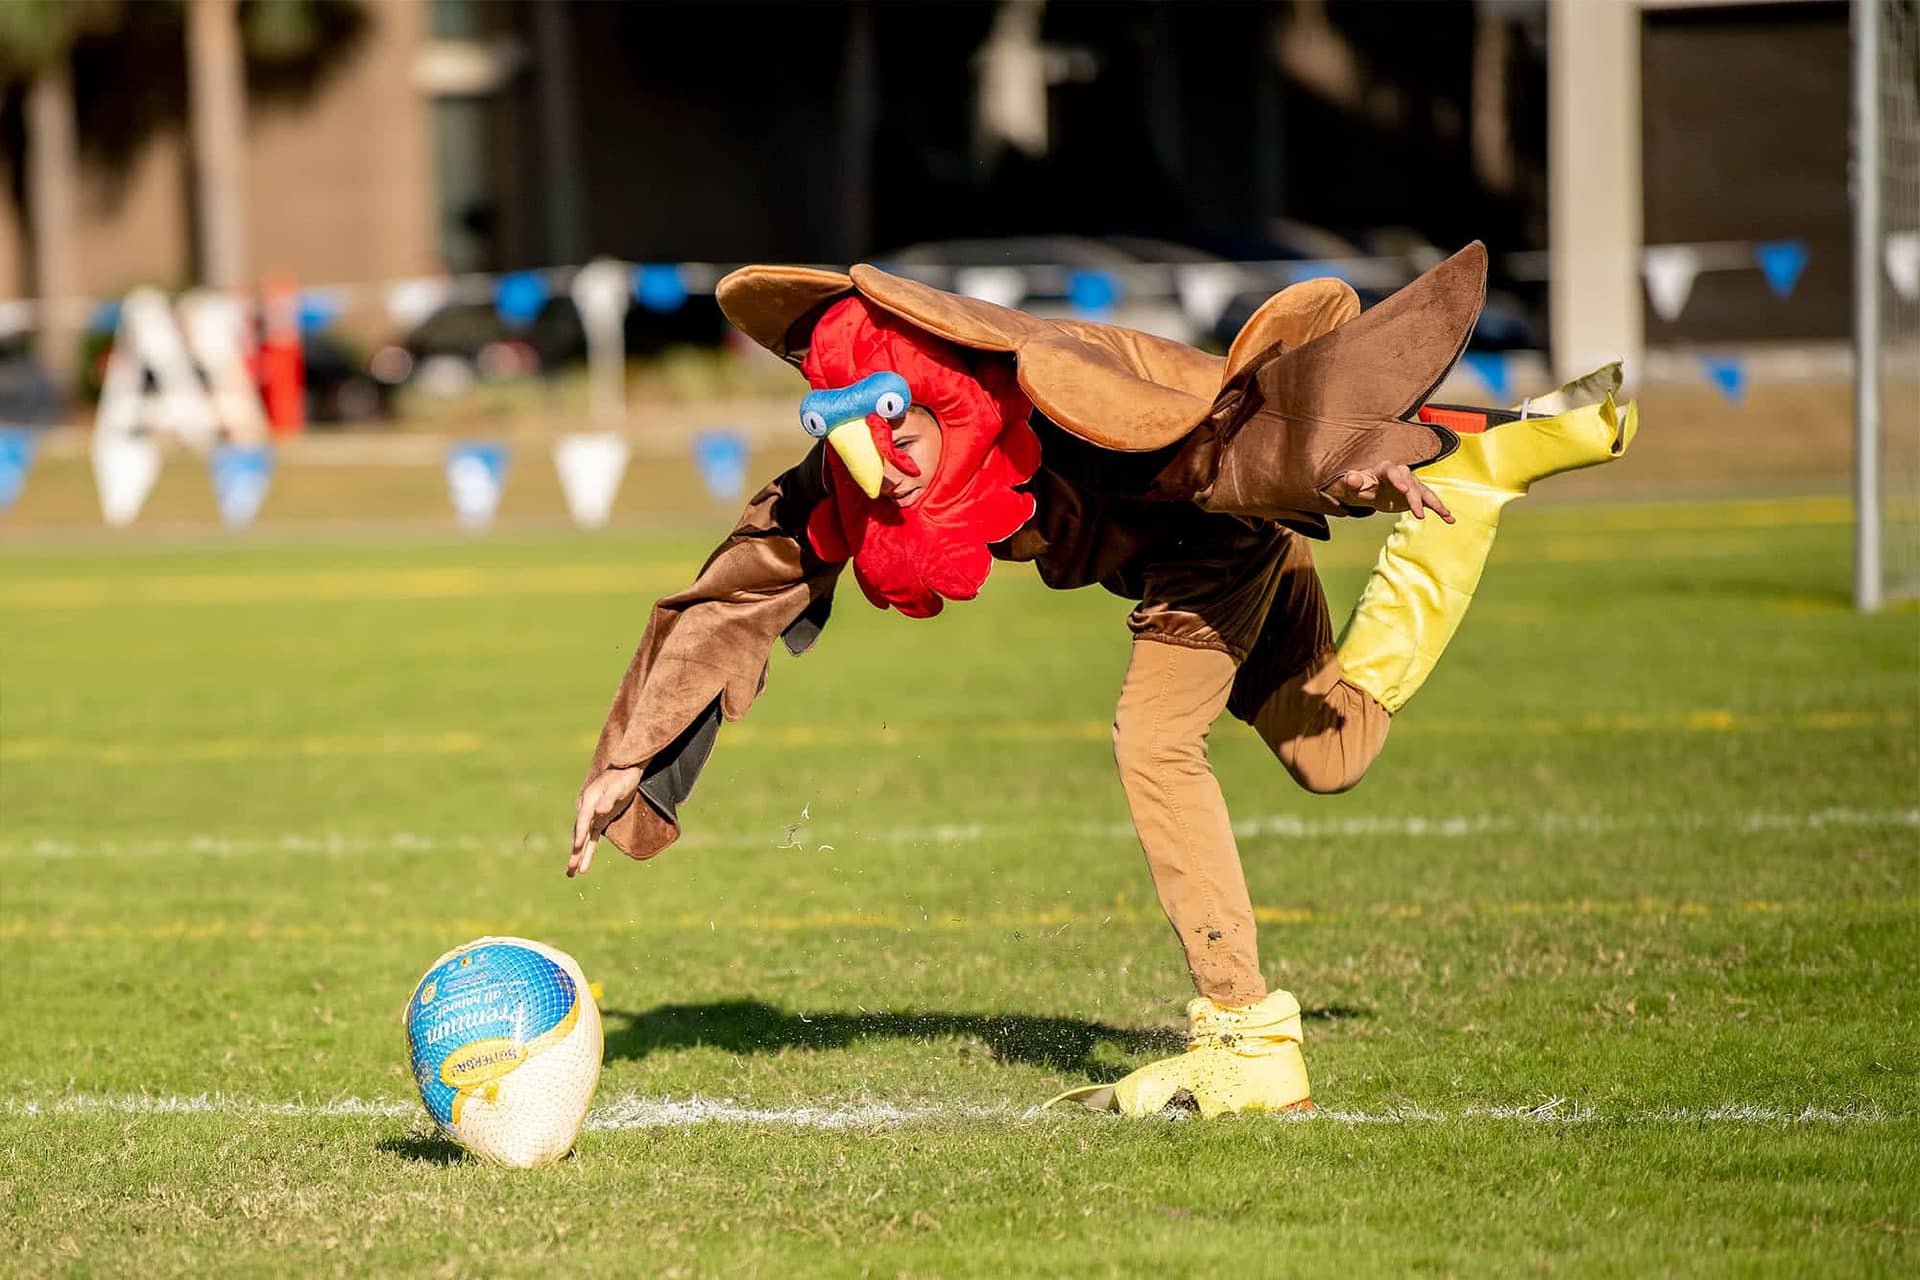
column 916, row 433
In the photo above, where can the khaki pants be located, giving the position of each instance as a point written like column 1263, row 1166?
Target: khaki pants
column 1322, row 729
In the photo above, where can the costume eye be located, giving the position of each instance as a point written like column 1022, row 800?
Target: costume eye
column 815, row 422
column 890, row 404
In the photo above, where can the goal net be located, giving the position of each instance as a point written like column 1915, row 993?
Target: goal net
column 1887, row 299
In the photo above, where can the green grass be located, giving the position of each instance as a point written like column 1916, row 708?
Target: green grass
column 1642, row 859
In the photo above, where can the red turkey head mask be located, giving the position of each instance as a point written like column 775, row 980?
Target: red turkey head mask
column 918, row 557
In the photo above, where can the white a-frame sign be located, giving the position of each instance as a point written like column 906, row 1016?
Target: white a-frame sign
column 162, row 383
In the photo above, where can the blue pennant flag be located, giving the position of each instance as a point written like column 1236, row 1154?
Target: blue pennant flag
column 1093, row 293
column 319, row 308
column 1781, row 262
column 657, row 286
column 520, row 297
column 241, row 473
column 1729, row 373
column 16, row 459
column 721, row 457
column 1317, row 269
column 1491, row 368
column 476, row 474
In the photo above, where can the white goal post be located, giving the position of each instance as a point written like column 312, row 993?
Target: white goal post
column 1886, row 300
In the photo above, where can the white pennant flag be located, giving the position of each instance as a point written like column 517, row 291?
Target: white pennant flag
column 1670, row 269
column 124, row 469
column 591, row 467
column 1205, row 289
column 1903, row 263
column 410, row 302
column 1002, row 286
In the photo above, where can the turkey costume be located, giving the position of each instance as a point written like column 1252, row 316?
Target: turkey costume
column 1190, row 483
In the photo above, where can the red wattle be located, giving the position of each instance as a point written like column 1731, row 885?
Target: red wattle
column 883, row 441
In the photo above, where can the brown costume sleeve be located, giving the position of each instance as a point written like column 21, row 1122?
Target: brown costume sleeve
column 1288, row 426
column 704, row 655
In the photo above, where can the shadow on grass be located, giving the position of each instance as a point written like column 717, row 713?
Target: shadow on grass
column 424, row 1148
column 752, row 1026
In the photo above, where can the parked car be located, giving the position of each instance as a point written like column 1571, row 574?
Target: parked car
column 340, row 388
column 28, row 396
column 1508, row 321
column 1059, row 257
column 468, row 341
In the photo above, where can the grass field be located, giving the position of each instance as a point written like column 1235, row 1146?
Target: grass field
column 1612, row 965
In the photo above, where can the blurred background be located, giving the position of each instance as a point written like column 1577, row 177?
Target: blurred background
column 333, row 248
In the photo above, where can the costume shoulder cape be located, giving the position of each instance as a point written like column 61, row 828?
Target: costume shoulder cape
column 1130, row 391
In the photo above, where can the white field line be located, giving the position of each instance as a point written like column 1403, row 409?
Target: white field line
column 674, row 1113
column 1284, row 825
column 631, row 1111
column 1562, row 1111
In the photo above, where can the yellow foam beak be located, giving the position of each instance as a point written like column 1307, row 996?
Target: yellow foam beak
column 854, row 443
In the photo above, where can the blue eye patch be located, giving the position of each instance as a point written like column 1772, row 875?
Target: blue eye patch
column 885, row 393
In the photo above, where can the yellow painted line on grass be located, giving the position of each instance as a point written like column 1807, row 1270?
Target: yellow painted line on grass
column 1048, row 922
column 447, row 582
column 1733, row 513
column 265, row 750
column 1699, row 720
column 1594, row 535
column 1703, row 720
column 461, row 742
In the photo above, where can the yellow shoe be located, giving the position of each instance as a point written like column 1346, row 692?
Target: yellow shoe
column 1237, row 1061
column 1427, row 573
column 1503, row 462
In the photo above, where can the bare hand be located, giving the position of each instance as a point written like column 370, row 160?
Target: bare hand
column 1391, row 486
column 600, row 799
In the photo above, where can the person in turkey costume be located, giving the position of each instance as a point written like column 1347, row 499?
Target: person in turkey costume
column 954, row 432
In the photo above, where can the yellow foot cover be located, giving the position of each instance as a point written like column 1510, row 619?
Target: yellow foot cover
column 1237, row 1060
column 1500, row 464
column 1428, row 570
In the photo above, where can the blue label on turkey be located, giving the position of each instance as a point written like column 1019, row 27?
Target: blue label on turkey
column 479, row 1014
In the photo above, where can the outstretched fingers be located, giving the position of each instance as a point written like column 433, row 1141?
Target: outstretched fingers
column 600, row 799
column 595, row 802
column 581, row 859
column 585, row 839
column 1417, row 497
